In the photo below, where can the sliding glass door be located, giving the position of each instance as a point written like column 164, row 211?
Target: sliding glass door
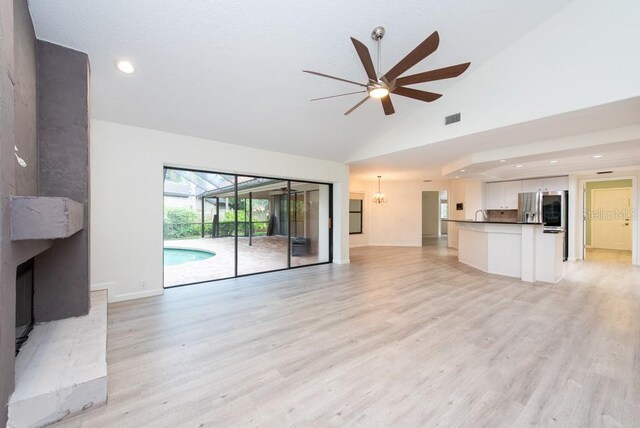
column 262, row 241
column 224, row 225
column 310, row 222
column 199, row 230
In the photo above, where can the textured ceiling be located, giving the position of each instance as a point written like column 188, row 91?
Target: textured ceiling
column 231, row 71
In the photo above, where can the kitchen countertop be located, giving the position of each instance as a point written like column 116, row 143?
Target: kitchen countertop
column 492, row 222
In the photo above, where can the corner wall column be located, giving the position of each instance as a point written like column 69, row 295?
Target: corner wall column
column 62, row 273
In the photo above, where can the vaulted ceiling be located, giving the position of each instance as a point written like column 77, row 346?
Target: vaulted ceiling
column 231, row 70
column 552, row 74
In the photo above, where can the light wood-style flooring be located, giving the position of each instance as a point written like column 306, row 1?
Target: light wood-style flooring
column 608, row 256
column 400, row 337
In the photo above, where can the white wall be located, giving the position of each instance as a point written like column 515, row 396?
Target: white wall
column 581, row 57
column 473, row 197
column 470, row 194
column 127, row 201
column 323, row 229
column 398, row 222
column 575, row 218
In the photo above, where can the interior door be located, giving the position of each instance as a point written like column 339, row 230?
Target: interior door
column 611, row 219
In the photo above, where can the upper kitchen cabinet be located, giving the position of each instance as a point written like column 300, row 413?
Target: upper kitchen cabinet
column 533, row 185
column 545, row 184
column 556, row 183
column 511, row 190
column 503, row 195
column 495, row 196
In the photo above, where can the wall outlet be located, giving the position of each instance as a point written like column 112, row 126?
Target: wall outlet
column 143, row 284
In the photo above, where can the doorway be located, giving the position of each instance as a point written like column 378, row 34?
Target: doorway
column 608, row 230
column 434, row 216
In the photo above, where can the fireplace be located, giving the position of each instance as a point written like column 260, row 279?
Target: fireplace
column 24, row 302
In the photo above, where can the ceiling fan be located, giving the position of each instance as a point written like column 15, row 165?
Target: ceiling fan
column 381, row 86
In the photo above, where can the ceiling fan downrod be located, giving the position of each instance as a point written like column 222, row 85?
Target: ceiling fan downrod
column 377, row 34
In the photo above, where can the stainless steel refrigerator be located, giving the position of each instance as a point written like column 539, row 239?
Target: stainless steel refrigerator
column 549, row 208
column 530, row 207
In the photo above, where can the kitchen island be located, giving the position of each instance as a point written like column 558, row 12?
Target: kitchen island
column 519, row 250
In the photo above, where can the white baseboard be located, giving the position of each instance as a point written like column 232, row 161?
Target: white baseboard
column 396, row 244
column 572, row 259
column 341, row 262
column 136, row 295
column 102, row 286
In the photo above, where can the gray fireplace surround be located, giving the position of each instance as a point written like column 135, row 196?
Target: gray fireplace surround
column 44, row 179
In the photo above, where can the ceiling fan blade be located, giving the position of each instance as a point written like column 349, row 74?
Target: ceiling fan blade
column 423, row 50
column 387, row 105
column 356, row 106
column 429, row 76
column 333, row 77
column 339, row 95
column 365, row 58
column 416, row 94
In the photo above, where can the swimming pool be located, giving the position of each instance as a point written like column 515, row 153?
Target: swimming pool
column 178, row 256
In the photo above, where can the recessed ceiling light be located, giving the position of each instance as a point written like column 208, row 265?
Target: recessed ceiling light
column 457, row 176
column 503, row 160
column 125, row 66
column 462, row 170
column 553, row 161
column 518, row 166
column 598, row 156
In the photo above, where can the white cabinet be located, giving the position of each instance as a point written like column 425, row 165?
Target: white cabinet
column 545, row 184
column 511, row 190
column 503, row 195
column 533, row 185
column 556, row 183
column 495, row 196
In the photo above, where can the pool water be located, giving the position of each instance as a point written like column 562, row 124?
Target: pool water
column 178, row 256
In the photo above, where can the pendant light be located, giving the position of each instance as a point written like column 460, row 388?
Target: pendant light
column 378, row 198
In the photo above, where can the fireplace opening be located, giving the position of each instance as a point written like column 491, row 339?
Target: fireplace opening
column 24, row 302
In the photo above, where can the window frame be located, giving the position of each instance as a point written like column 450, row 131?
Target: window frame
column 361, row 212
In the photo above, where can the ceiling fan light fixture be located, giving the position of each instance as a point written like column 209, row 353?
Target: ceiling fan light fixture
column 378, row 92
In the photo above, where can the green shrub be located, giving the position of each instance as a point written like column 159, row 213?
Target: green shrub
column 181, row 223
